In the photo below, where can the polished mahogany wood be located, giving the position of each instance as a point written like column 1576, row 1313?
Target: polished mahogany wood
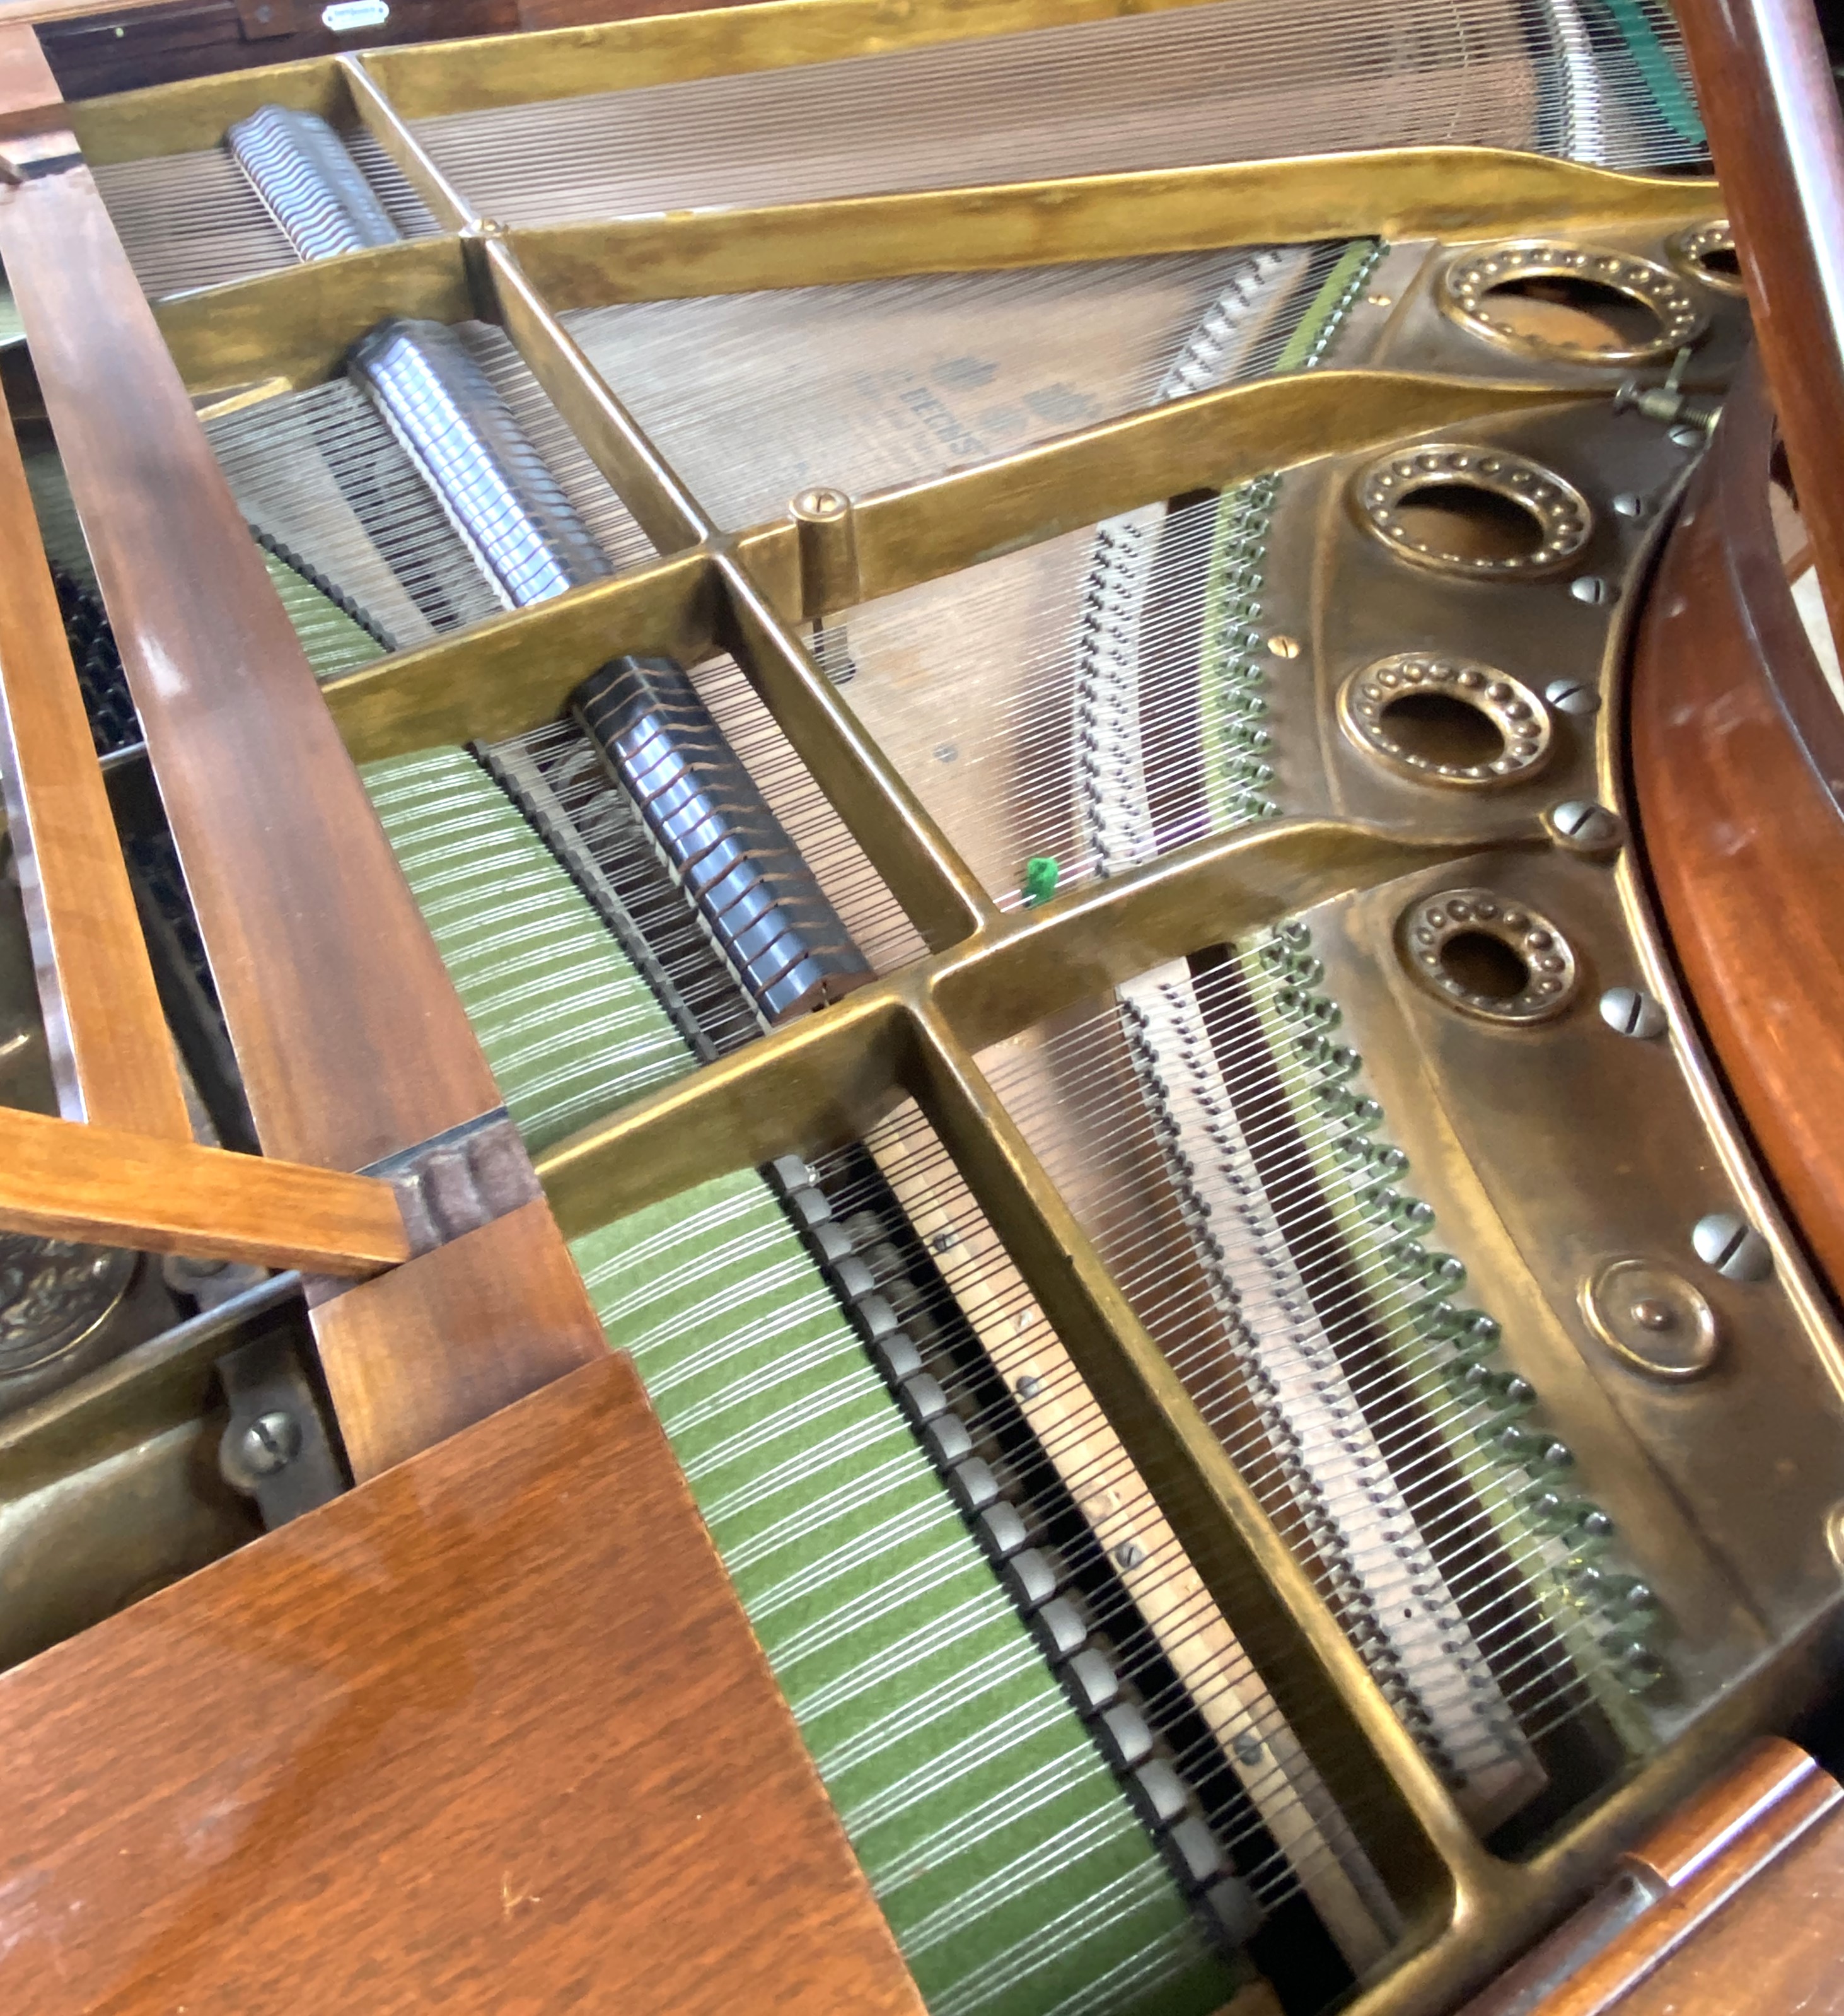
column 1738, row 816
column 489, row 1736
column 112, row 1057
column 1774, row 1947
column 352, row 1042
column 1660, row 1936
column 497, row 1313
column 1777, row 137
column 62, row 1179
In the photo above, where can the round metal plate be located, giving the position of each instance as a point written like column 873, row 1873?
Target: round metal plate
column 1519, row 716
column 1688, row 250
column 1650, row 1317
column 53, row 1295
column 1467, row 286
column 1558, row 511
column 1429, row 928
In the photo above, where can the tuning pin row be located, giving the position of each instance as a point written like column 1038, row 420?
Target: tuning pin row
column 1501, row 1403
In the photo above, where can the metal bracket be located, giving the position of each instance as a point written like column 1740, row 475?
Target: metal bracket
column 276, row 1448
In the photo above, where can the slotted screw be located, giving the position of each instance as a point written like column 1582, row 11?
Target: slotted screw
column 269, row 1443
column 1628, row 1012
column 1572, row 696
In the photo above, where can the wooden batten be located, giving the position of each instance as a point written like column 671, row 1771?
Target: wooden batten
column 111, row 1053
column 512, row 1314
column 351, row 1041
column 1777, row 136
column 61, row 1181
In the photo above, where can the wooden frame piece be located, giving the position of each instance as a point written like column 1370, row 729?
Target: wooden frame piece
column 63, row 1181
column 366, row 1052
column 1776, row 135
column 488, row 1734
column 112, row 1055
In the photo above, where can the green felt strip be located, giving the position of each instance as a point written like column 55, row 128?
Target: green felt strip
column 1016, row 1878
column 334, row 643
column 569, row 1028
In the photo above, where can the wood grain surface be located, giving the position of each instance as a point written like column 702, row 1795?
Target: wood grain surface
column 1774, row 1948
column 1777, row 138
column 494, row 1315
column 490, row 1735
column 112, row 1056
column 1739, row 820
column 62, row 1179
column 1711, row 1913
column 351, row 1041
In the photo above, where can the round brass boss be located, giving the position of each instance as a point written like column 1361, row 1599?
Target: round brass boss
column 1650, row 1317
column 1559, row 515
column 1421, row 680
column 1468, row 285
column 1488, row 956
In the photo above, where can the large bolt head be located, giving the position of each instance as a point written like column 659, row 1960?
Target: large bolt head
column 1628, row 1012
column 1732, row 1246
column 269, row 1443
column 1585, row 827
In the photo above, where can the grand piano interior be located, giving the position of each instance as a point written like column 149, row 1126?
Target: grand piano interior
column 917, row 1083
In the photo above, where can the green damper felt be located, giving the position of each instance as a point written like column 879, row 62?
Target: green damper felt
column 570, row 1030
column 1017, row 1880
column 334, row 643
column 1015, row 1875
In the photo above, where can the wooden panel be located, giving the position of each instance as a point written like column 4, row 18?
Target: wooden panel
column 62, row 1180
column 111, row 1054
column 1739, row 1851
column 26, row 79
column 1777, row 137
column 440, row 1344
column 97, row 47
column 584, row 13
column 1776, row 1948
column 1742, row 834
column 490, row 1735
column 352, row 1043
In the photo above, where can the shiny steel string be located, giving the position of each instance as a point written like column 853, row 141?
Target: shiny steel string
column 982, row 1283
column 1018, row 651
column 189, row 221
column 1077, row 1101
column 322, row 472
column 1236, row 79
column 1220, row 82
column 1216, row 1678
column 754, row 397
